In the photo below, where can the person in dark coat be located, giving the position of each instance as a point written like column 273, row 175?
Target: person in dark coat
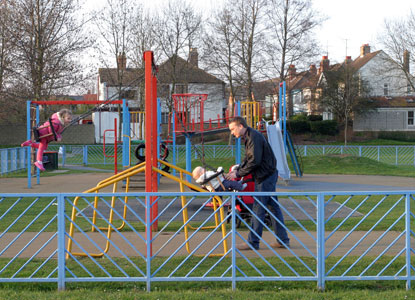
column 261, row 163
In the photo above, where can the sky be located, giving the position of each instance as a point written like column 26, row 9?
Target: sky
column 350, row 23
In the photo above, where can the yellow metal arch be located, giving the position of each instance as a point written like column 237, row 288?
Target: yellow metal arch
column 125, row 175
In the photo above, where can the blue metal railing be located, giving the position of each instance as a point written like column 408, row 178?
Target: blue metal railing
column 334, row 236
column 11, row 159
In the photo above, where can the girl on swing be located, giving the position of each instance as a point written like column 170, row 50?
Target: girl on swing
column 47, row 134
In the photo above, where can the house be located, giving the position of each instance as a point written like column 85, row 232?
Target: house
column 175, row 75
column 388, row 85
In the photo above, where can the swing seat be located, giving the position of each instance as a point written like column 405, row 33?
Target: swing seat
column 38, row 137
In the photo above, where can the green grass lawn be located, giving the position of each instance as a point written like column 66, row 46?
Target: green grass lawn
column 209, row 289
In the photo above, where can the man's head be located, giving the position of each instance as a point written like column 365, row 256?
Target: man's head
column 197, row 172
column 238, row 126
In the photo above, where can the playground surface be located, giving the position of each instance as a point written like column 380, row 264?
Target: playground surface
column 75, row 183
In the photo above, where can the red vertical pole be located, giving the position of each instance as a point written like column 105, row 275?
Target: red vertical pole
column 154, row 147
column 115, row 147
column 150, row 135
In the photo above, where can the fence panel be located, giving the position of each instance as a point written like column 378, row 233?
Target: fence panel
column 333, row 236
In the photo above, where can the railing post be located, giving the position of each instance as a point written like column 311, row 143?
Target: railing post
column 360, row 151
column 378, row 153
column 61, row 242
column 233, row 219
column 396, row 155
column 408, row 240
column 320, row 243
column 305, row 150
column 85, row 155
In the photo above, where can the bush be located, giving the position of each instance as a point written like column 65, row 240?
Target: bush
column 328, row 127
column 314, row 118
column 296, row 127
column 406, row 136
column 299, row 117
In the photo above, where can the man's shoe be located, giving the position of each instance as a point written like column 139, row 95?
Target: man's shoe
column 244, row 246
column 278, row 245
column 39, row 165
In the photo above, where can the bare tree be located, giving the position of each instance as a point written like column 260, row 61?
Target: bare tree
column 5, row 45
column 343, row 93
column 113, row 23
column 177, row 30
column 49, row 38
column 398, row 41
column 143, row 39
column 219, row 48
column 292, row 24
column 250, row 33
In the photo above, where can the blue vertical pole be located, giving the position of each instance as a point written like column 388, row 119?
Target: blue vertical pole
column 408, row 240
column 320, row 242
column 61, row 242
column 125, row 134
column 238, row 140
column 28, row 136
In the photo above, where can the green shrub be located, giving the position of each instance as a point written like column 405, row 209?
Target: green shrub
column 406, row 136
column 299, row 117
column 295, row 126
column 328, row 127
column 314, row 118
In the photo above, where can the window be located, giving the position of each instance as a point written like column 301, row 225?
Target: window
column 180, row 88
column 411, row 117
column 385, row 89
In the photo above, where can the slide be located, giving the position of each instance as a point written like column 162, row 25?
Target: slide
column 277, row 145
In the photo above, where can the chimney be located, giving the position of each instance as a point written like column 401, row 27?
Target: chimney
column 324, row 64
column 406, row 61
column 348, row 60
column 292, row 71
column 121, row 61
column 194, row 57
column 364, row 49
column 313, row 69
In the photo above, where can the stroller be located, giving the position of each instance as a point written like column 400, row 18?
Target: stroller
column 247, row 202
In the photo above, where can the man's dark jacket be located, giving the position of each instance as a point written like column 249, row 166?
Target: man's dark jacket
column 259, row 158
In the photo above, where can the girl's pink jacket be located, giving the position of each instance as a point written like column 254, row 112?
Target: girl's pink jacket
column 57, row 124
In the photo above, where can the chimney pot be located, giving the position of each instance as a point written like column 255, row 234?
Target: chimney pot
column 324, row 64
column 292, row 70
column 122, row 61
column 194, row 57
column 364, row 49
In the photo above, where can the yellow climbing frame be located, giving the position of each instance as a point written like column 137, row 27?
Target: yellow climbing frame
column 251, row 111
column 125, row 175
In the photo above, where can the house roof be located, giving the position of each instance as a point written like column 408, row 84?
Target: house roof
column 130, row 76
column 185, row 73
column 385, row 102
column 362, row 60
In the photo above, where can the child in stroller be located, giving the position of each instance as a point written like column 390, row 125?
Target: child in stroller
column 247, row 201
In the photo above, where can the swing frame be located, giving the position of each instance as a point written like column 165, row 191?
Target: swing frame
column 30, row 132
